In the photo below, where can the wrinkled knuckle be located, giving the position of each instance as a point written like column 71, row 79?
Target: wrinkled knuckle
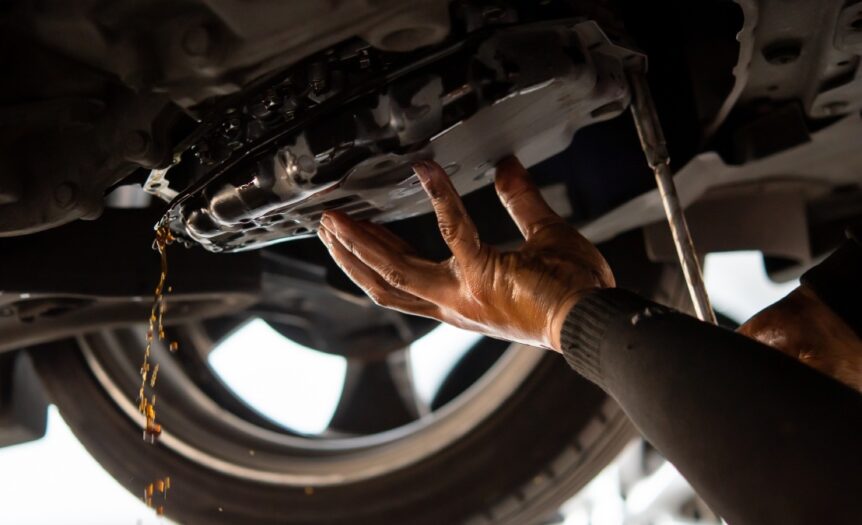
column 434, row 192
column 514, row 194
column 349, row 245
column 394, row 277
column 475, row 241
column 551, row 227
column 448, row 230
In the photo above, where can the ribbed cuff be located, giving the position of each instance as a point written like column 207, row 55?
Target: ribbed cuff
column 587, row 323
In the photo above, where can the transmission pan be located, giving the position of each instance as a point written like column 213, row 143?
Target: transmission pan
column 351, row 132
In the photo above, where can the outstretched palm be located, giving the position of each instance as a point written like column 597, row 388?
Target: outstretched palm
column 521, row 295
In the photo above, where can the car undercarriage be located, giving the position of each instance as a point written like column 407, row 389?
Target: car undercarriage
column 237, row 124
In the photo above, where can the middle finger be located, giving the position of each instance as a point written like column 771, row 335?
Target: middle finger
column 424, row 279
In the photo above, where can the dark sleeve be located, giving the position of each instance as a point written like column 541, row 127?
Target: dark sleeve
column 837, row 282
column 761, row 437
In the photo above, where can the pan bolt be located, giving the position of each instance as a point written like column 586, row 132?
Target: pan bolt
column 317, row 77
column 203, row 153
column 271, row 100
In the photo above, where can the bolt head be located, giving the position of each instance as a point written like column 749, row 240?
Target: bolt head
column 271, row 100
column 364, row 59
column 203, row 153
column 231, row 125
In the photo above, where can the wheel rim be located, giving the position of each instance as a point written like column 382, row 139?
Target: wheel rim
column 197, row 428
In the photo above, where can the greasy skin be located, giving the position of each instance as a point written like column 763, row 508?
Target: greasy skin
column 525, row 295
column 522, row 295
column 803, row 327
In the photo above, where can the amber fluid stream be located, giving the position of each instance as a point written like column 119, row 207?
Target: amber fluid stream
column 150, row 370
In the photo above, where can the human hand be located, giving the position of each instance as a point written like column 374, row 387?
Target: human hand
column 803, row 327
column 522, row 295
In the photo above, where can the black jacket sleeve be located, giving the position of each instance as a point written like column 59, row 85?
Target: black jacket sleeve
column 761, row 437
column 837, row 281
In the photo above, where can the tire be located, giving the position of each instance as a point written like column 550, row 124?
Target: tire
column 542, row 443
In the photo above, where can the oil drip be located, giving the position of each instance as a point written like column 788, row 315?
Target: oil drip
column 159, row 486
column 149, row 370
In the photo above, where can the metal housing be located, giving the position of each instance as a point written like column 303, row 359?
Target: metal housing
column 356, row 157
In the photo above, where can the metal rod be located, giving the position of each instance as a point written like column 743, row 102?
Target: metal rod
column 655, row 148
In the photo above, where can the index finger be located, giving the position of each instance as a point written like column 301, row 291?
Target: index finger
column 522, row 199
column 455, row 224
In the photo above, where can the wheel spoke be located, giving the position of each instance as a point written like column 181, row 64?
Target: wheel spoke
column 297, row 301
column 468, row 370
column 402, row 376
column 378, row 396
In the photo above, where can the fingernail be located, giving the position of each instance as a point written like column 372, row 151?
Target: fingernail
column 322, row 234
column 326, row 220
column 421, row 171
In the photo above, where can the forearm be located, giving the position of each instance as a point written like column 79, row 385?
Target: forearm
column 736, row 417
